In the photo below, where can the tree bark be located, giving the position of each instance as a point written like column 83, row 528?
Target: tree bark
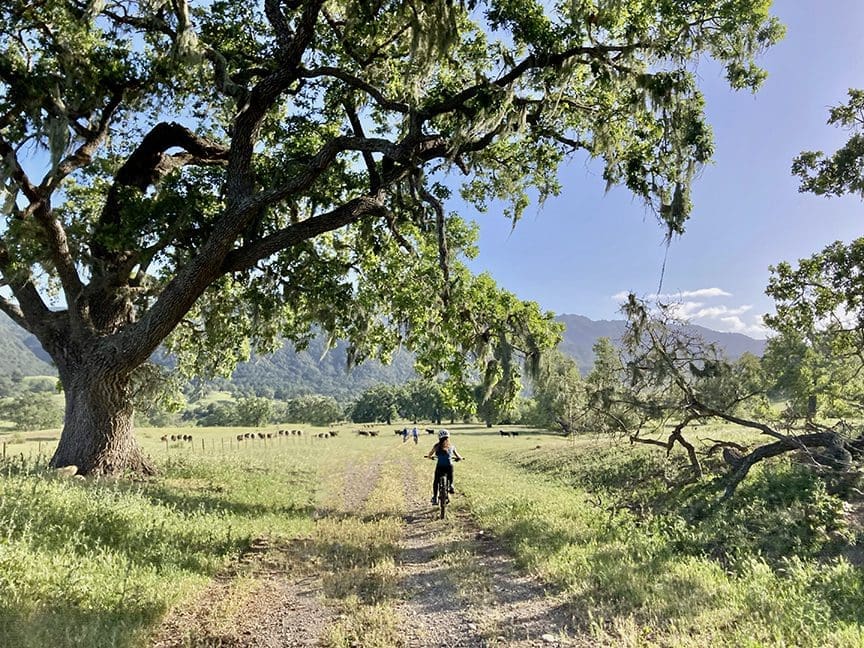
column 97, row 429
column 792, row 443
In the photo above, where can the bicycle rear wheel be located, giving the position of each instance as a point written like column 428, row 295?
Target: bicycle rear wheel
column 443, row 495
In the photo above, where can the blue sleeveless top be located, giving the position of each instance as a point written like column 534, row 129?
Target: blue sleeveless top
column 445, row 457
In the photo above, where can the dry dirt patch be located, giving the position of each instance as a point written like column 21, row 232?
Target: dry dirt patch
column 461, row 589
column 268, row 599
column 454, row 586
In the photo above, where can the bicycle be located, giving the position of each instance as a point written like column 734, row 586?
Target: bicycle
column 443, row 493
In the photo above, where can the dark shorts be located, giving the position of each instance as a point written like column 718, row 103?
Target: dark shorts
column 442, row 470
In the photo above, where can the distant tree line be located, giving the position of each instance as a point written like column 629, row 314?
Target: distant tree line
column 416, row 400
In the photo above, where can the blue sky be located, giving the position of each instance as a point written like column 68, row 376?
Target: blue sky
column 585, row 247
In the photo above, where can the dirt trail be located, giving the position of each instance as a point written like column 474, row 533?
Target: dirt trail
column 455, row 586
column 477, row 598
column 430, row 608
column 261, row 602
column 272, row 597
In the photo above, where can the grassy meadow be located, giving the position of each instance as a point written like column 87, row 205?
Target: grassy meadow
column 87, row 562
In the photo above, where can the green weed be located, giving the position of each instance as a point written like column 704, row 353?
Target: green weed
column 646, row 564
column 99, row 562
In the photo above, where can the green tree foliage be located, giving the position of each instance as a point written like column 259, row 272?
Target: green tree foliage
column 216, row 176
column 422, row 400
column 254, row 411
column 811, row 377
column 314, row 409
column 32, row 412
column 608, row 401
column 377, row 404
column 819, row 318
column 219, row 414
column 7, row 388
column 559, row 394
column 841, row 172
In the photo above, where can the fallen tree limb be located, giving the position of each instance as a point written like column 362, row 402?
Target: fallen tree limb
column 800, row 442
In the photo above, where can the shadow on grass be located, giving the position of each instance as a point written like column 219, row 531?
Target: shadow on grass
column 191, row 532
column 198, row 502
column 62, row 624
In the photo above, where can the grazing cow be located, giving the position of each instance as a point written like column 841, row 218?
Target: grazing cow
column 173, row 437
column 514, row 433
column 503, row 433
column 430, row 430
column 240, row 437
column 333, row 433
column 164, row 437
column 373, row 432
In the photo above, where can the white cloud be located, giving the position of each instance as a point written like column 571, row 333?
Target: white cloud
column 737, row 325
column 699, row 293
column 722, row 311
column 692, row 306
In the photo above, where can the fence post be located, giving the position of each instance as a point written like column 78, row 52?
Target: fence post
column 202, row 446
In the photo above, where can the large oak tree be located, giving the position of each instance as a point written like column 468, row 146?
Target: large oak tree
column 199, row 175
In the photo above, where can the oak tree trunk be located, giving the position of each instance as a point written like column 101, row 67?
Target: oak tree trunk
column 97, row 430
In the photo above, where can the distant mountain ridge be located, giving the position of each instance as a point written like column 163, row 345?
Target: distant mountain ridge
column 288, row 373
column 581, row 333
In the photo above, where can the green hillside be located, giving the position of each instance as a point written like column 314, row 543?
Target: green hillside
column 17, row 352
column 317, row 370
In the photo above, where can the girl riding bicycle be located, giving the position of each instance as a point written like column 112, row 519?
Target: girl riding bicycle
column 445, row 453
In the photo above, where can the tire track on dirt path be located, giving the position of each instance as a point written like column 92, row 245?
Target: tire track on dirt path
column 461, row 589
column 264, row 600
column 430, row 609
column 359, row 482
column 273, row 595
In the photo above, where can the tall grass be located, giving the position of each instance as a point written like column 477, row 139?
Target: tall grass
column 358, row 549
column 646, row 566
column 99, row 562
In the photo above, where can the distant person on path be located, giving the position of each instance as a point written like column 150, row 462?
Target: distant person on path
column 445, row 453
column 416, row 435
column 404, row 434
